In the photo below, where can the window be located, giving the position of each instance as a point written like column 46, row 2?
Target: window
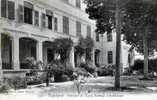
column 49, row 15
column 8, row 9
column 78, row 3
column 89, row 31
column 97, row 56
column 28, row 12
column 55, row 24
column 36, row 18
column 78, row 28
column 20, row 13
column 43, row 20
column 109, row 36
column 65, row 25
column 11, row 10
column 110, row 57
column 97, row 37
column 4, row 8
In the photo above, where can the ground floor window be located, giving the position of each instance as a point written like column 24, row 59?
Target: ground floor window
column 110, row 57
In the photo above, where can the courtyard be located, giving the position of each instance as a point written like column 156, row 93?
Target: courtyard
column 93, row 87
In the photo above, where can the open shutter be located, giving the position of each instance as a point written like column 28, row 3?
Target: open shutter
column 78, row 28
column 43, row 20
column 20, row 13
column 36, row 18
column 88, row 30
column 55, row 24
column 65, row 25
column 11, row 10
column 4, row 8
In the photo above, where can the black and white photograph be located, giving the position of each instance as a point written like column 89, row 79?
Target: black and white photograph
column 78, row 49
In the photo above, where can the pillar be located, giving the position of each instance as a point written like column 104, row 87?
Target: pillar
column 72, row 59
column 15, row 53
column 93, row 57
column 39, row 51
column 0, row 59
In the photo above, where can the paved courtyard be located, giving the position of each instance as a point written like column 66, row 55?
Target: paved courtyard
column 93, row 87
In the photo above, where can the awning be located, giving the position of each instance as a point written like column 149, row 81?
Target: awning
column 49, row 13
column 28, row 5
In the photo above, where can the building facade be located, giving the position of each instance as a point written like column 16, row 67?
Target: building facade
column 106, row 51
column 27, row 28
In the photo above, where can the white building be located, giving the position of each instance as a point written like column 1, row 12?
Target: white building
column 106, row 51
column 27, row 28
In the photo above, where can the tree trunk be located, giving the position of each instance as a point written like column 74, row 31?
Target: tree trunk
column 145, row 46
column 118, row 46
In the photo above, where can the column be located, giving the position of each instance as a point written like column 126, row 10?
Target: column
column 93, row 57
column 72, row 61
column 15, row 53
column 39, row 51
column 0, row 59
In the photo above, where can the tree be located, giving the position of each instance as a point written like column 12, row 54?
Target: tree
column 107, row 16
column 139, row 27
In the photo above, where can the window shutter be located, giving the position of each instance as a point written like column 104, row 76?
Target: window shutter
column 36, row 18
column 43, row 20
column 55, row 24
column 89, row 31
column 4, row 8
column 11, row 10
column 65, row 25
column 20, row 13
column 78, row 28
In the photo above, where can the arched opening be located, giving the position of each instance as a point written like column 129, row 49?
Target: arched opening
column 27, row 49
column 6, row 47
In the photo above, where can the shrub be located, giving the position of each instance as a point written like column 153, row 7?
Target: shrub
column 4, row 88
column 81, row 71
column 61, row 71
column 16, row 82
column 104, row 71
column 88, row 67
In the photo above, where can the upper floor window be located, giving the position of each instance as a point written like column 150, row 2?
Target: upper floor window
column 109, row 36
column 78, row 3
column 110, row 57
column 36, row 18
column 88, row 31
column 55, row 24
column 97, row 37
column 28, row 12
column 49, row 16
column 78, row 28
column 65, row 25
column 8, row 9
